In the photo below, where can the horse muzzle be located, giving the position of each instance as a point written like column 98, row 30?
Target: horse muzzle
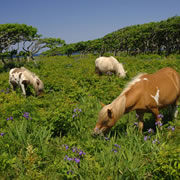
column 40, row 94
column 97, row 132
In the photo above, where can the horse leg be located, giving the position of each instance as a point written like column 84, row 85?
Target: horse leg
column 98, row 71
column 175, row 108
column 156, row 113
column 13, row 86
column 23, row 88
column 140, row 119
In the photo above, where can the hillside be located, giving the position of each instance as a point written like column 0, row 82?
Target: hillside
column 161, row 38
column 49, row 137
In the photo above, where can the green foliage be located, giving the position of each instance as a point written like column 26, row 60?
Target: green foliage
column 10, row 34
column 49, row 137
column 151, row 38
column 167, row 164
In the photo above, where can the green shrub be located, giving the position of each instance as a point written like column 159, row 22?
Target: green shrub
column 167, row 164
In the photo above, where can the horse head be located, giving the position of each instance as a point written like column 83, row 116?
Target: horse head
column 120, row 70
column 105, row 121
column 39, row 87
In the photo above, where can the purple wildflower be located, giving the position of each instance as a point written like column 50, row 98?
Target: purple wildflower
column 158, row 123
column 75, row 109
column 2, row 134
column 109, row 73
column 65, row 157
column 136, row 124
column 26, row 115
column 77, row 160
column 106, row 138
column 74, row 149
column 172, row 128
column 67, row 147
column 150, row 130
column 81, row 153
column 70, row 172
column 145, row 138
column 155, row 141
column 9, row 118
column 160, row 116
column 70, row 159
column 117, row 145
column 114, row 150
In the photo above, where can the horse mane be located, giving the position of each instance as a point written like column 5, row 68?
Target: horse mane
column 131, row 83
column 119, row 103
column 119, row 67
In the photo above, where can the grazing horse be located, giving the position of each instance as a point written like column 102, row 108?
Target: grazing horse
column 145, row 93
column 22, row 77
column 109, row 64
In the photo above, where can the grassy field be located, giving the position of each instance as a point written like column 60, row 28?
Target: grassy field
column 49, row 137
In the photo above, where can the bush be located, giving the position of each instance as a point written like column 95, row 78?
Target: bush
column 167, row 164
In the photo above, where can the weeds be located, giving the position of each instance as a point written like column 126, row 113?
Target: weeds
column 50, row 137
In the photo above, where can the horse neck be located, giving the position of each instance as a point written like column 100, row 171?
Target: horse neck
column 120, row 69
column 31, row 77
column 118, row 106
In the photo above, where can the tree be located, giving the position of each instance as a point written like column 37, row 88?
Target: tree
column 36, row 44
column 12, row 34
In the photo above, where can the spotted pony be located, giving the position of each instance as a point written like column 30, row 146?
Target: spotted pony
column 23, row 77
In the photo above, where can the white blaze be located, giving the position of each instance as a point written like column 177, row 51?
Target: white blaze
column 156, row 97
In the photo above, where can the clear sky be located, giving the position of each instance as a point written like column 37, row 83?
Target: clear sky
column 82, row 20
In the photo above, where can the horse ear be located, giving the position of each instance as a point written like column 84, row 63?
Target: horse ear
column 102, row 104
column 109, row 111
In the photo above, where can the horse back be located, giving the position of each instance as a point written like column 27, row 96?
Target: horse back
column 163, row 87
column 154, row 90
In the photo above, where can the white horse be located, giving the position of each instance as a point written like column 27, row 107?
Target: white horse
column 109, row 64
column 22, row 77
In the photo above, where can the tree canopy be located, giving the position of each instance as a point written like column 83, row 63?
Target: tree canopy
column 11, row 35
column 151, row 38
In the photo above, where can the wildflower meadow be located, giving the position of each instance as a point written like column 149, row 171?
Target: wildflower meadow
column 50, row 136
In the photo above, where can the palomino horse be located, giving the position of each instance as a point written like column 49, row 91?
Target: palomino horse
column 22, row 77
column 109, row 64
column 145, row 93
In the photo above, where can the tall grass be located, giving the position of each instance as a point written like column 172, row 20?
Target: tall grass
column 49, row 137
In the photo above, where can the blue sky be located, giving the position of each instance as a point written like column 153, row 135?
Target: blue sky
column 82, row 20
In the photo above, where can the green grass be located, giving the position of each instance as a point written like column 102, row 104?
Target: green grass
column 50, row 142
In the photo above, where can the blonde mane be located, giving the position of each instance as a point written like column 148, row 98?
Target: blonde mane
column 119, row 103
column 131, row 83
